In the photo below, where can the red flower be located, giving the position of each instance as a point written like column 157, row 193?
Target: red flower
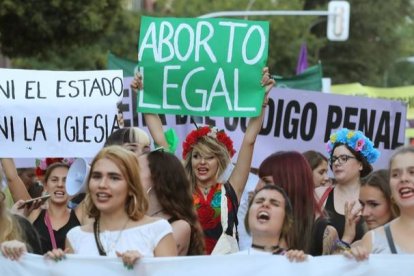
column 39, row 172
column 206, row 217
column 50, row 161
column 193, row 136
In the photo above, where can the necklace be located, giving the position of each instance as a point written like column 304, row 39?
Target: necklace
column 270, row 248
column 204, row 190
column 156, row 213
column 110, row 242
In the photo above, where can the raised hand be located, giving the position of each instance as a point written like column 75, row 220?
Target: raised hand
column 137, row 83
column 352, row 216
column 268, row 82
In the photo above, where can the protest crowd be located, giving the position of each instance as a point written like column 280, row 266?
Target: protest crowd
column 138, row 200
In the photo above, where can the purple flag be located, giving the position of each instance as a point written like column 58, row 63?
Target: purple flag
column 302, row 64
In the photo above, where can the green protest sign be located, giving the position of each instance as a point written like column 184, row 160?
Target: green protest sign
column 202, row 67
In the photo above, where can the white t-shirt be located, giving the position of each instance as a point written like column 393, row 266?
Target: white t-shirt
column 245, row 240
column 253, row 251
column 143, row 238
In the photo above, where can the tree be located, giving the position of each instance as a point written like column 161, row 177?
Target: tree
column 373, row 45
column 35, row 27
column 286, row 33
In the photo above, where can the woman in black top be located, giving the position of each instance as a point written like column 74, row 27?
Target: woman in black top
column 54, row 222
column 351, row 155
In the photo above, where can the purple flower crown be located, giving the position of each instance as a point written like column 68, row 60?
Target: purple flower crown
column 356, row 140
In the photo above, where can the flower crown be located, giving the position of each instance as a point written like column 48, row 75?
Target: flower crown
column 355, row 140
column 43, row 164
column 193, row 137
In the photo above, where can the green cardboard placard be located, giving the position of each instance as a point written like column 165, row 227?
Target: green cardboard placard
column 202, row 67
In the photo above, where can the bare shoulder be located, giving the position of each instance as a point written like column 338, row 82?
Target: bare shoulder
column 182, row 235
column 181, row 226
column 146, row 220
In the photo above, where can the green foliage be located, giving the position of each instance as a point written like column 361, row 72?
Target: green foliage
column 373, row 45
column 34, row 27
column 76, row 35
column 286, row 33
column 120, row 38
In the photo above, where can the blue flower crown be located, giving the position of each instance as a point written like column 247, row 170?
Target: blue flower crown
column 356, row 140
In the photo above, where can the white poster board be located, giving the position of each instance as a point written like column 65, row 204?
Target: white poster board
column 57, row 113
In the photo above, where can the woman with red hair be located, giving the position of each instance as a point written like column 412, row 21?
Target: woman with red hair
column 310, row 231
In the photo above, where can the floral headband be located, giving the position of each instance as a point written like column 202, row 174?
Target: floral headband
column 193, row 137
column 43, row 164
column 355, row 140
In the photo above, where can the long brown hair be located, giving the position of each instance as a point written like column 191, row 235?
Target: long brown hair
column 379, row 179
column 174, row 193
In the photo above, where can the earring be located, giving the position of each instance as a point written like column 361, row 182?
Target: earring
column 149, row 190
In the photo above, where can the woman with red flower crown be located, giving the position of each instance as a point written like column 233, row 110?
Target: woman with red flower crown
column 207, row 152
column 57, row 219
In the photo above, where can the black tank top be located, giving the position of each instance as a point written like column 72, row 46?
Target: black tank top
column 60, row 235
column 338, row 221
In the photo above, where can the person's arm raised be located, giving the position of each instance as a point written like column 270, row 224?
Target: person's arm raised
column 17, row 188
column 152, row 120
column 239, row 176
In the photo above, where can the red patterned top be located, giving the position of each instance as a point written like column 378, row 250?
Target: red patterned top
column 209, row 214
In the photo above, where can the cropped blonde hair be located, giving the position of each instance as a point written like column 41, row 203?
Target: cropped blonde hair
column 207, row 145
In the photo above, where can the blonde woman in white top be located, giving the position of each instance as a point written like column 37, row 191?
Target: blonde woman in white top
column 116, row 201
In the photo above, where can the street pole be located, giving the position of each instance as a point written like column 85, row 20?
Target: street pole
column 338, row 14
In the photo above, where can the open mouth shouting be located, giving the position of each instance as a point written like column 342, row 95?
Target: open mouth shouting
column 406, row 192
column 263, row 216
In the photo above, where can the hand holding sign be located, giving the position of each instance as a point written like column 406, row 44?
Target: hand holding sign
column 268, row 82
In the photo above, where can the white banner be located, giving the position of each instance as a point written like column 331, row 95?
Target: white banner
column 57, row 113
column 378, row 265
column 300, row 120
column 295, row 120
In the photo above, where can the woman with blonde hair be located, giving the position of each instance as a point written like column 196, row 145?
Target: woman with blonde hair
column 116, row 202
column 206, row 153
column 167, row 186
column 17, row 235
